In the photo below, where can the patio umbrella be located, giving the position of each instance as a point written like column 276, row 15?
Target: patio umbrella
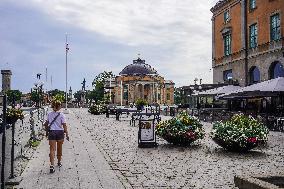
column 218, row 91
column 271, row 87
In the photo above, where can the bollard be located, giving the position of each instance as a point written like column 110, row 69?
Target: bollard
column 117, row 116
column 107, row 113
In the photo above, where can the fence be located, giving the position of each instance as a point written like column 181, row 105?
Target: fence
column 23, row 131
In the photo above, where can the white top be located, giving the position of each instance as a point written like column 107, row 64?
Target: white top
column 57, row 124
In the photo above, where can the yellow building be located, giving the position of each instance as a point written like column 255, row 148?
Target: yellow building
column 141, row 81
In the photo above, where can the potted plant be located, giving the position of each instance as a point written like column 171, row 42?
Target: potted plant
column 13, row 114
column 180, row 130
column 99, row 108
column 140, row 103
column 240, row 133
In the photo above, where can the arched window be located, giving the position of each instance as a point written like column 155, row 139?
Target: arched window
column 276, row 70
column 254, row 75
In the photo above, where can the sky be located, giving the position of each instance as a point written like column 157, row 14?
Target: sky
column 173, row 36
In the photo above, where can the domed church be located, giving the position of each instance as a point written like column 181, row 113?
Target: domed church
column 141, row 81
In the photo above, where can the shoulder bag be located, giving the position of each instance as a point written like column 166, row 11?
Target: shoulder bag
column 47, row 129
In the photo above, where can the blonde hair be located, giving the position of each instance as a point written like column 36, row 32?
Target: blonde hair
column 55, row 104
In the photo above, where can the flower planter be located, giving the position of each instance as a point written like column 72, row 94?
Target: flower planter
column 181, row 130
column 179, row 140
column 241, row 133
column 234, row 146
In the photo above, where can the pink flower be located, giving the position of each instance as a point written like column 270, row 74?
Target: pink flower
column 191, row 134
column 252, row 139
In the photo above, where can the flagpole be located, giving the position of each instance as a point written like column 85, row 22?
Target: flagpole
column 66, row 97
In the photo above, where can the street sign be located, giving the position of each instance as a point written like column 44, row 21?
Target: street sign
column 146, row 133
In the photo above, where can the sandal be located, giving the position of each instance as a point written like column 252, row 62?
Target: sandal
column 51, row 169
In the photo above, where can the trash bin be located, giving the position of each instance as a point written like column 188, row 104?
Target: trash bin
column 172, row 111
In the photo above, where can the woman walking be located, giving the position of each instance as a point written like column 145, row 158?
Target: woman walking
column 55, row 126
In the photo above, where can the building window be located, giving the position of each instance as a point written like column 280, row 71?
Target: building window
column 227, row 44
column 228, row 75
column 276, row 70
column 254, row 75
column 168, row 96
column 253, row 36
column 226, row 17
column 125, row 92
column 275, row 27
column 252, row 4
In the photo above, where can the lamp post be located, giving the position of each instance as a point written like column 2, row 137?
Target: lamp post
column 38, row 88
column 66, row 96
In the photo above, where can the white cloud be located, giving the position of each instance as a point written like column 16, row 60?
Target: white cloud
column 181, row 26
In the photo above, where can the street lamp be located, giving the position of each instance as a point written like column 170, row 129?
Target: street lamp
column 66, row 111
column 38, row 88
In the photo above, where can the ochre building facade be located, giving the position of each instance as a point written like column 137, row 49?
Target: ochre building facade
column 140, row 81
column 247, row 40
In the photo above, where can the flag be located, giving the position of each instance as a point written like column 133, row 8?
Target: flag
column 67, row 47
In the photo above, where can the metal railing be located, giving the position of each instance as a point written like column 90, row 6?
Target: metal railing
column 16, row 140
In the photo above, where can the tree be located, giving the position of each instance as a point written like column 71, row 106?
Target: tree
column 178, row 96
column 55, row 92
column 98, row 92
column 36, row 96
column 102, row 77
column 77, row 96
column 13, row 95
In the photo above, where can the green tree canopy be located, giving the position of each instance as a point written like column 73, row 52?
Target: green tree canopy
column 178, row 96
column 13, row 94
column 55, row 92
column 98, row 83
column 36, row 97
column 77, row 96
column 102, row 77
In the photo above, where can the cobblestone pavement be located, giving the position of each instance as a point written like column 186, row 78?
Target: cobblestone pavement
column 84, row 166
column 202, row 165
column 103, row 153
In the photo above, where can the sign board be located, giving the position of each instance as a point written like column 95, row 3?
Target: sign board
column 146, row 133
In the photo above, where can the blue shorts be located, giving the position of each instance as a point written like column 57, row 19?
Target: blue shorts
column 56, row 135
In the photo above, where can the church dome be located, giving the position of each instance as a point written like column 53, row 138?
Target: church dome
column 138, row 67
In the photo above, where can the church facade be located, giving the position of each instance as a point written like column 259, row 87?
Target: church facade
column 141, row 81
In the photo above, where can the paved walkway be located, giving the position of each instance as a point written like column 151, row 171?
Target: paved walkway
column 84, row 166
column 103, row 153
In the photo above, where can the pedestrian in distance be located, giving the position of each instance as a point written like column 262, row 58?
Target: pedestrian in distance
column 55, row 127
